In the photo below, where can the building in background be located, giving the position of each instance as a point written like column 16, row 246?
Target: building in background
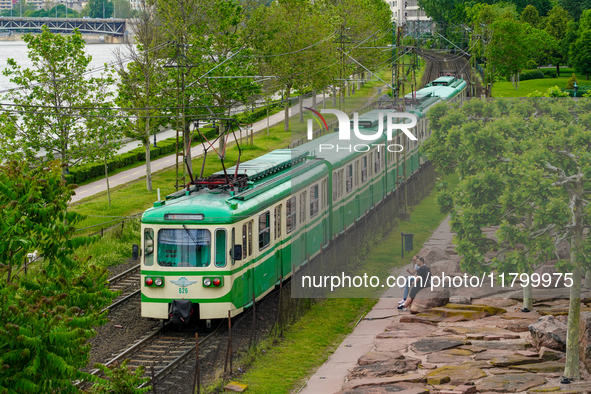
column 408, row 13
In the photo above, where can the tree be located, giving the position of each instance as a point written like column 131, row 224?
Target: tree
column 48, row 310
column 122, row 9
column 441, row 10
column 575, row 7
column 542, row 47
column 523, row 167
column 100, row 8
column 141, row 80
column 210, row 62
column 580, row 53
column 530, row 15
column 556, row 24
column 287, row 29
column 55, row 102
column 509, row 49
column 570, row 84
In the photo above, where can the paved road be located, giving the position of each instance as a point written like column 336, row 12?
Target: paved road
column 170, row 161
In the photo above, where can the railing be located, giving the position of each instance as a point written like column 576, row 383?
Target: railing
column 114, row 27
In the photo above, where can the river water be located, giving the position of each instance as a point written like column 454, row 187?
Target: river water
column 17, row 50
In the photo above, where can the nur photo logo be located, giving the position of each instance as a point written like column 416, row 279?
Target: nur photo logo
column 394, row 121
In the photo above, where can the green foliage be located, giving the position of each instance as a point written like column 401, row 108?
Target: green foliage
column 58, row 11
column 49, row 312
column 85, row 172
column 115, row 246
column 571, row 81
column 556, row 22
column 549, row 73
column 551, row 92
column 524, row 167
column 100, row 8
column 59, row 104
column 509, row 48
column 121, row 379
column 531, row 74
column 580, row 53
column 531, row 15
column 122, row 9
column 575, row 7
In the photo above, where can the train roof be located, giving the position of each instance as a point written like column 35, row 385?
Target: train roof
column 272, row 177
column 443, row 81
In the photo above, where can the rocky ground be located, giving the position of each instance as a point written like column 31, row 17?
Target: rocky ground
column 474, row 340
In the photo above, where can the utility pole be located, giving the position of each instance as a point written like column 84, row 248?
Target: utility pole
column 394, row 56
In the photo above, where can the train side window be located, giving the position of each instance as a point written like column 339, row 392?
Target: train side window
column 275, row 221
column 370, row 161
column 302, row 207
column 279, row 221
column 250, row 238
column 335, row 193
column 356, row 175
column 232, row 245
column 363, row 169
column 264, row 230
column 324, row 193
column 349, row 178
column 314, row 201
column 290, row 215
column 244, row 243
column 377, row 162
column 148, row 247
column 220, row 248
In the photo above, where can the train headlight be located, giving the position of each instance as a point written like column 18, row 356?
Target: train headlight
column 158, row 282
column 149, row 281
column 213, row 282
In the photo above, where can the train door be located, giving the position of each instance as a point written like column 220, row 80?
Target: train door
column 248, row 276
column 303, row 237
column 278, row 244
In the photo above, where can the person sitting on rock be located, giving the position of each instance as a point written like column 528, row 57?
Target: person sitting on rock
column 409, row 279
column 425, row 276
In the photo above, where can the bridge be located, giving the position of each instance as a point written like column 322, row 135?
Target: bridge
column 114, row 27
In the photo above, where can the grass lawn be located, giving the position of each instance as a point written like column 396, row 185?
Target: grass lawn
column 506, row 89
column 311, row 340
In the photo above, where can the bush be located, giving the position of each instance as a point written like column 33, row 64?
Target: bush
column 251, row 117
column 84, row 172
column 582, row 92
column 531, row 74
column 571, row 81
column 550, row 73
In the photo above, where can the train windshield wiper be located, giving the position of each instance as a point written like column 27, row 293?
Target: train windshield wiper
column 190, row 236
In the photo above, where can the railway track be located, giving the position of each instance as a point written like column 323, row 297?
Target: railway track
column 438, row 63
column 128, row 282
column 163, row 350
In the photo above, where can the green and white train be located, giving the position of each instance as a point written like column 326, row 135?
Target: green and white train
column 220, row 249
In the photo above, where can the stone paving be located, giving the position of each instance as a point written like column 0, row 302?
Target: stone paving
column 482, row 345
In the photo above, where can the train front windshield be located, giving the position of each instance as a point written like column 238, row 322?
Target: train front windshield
column 184, row 247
